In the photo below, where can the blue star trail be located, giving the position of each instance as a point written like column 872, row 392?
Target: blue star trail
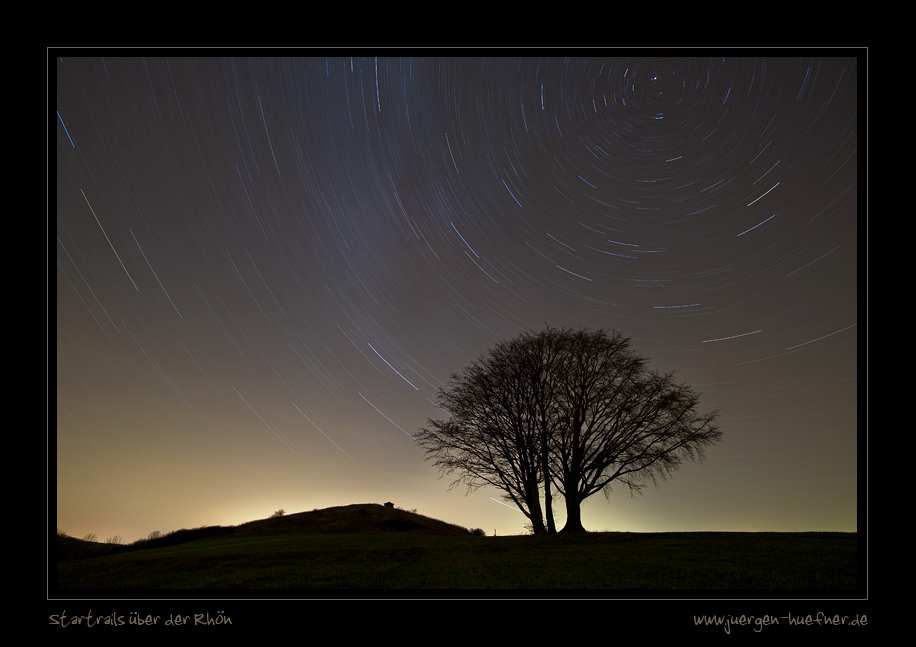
column 341, row 234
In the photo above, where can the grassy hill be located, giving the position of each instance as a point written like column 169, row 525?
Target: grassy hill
column 358, row 518
column 369, row 546
column 362, row 517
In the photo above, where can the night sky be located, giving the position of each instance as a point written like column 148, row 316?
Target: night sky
column 266, row 267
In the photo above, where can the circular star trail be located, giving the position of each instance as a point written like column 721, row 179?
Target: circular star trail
column 267, row 266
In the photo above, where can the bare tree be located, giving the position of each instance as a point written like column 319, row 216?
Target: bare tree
column 564, row 409
column 500, row 421
column 620, row 422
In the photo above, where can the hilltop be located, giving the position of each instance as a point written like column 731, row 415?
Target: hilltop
column 354, row 518
column 360, row 517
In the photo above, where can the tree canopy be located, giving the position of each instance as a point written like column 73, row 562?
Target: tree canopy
column 566, row 411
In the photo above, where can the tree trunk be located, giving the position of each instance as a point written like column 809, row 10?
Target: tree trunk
column 548, row 502
column 573, row 515
column 537, row 524
column 548, row 505
column 545, row 471
column 534, row 508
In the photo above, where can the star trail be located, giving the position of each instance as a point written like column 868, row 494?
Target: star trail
column 266, row 266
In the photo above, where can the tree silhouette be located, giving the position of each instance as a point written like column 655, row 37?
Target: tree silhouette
column 567, row 410
column 495, row 434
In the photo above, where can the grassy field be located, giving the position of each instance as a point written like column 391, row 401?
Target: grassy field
column 263, row 557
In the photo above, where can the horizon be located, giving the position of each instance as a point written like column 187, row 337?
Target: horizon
column 125, row 542
column 266, row 267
